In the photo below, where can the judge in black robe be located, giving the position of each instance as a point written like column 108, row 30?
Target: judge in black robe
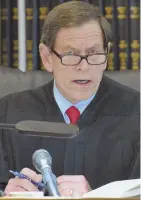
column 106, row 149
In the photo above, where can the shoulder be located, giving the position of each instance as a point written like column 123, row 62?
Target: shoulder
column 24, row 95
column 121, row 100
column 25, row 101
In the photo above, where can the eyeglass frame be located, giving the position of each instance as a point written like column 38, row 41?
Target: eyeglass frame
column 60, row 56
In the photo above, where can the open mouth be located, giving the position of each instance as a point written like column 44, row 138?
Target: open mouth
column 83, row 82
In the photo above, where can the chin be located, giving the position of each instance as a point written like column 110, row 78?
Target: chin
column 81, row 97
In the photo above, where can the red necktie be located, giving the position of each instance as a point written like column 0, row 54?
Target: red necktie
column 73, row 114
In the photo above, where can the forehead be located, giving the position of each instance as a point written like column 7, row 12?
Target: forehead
column 86, row 35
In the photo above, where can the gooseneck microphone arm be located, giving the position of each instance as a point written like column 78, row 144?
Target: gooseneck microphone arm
column 43, row 128
column 7, row 126
column 43, row 158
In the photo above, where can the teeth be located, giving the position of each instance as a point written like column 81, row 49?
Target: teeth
column 82, row 81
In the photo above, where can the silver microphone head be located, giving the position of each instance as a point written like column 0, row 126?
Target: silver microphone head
column 41, row 158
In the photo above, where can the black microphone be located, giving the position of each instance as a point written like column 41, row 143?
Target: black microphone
column 43, row 128
column 42, row 161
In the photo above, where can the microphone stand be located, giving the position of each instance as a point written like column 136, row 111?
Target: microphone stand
column 43, row 128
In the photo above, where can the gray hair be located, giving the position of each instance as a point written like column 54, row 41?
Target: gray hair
column 71, row 14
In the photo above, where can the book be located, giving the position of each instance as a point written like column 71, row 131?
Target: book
column 123, row 38
column 9, row 33
column 135, row 34
column 29, row 36
column 36, row 32
column 109, row 14
column 14, row 34
column 117, row 189
column 3, row 34
column 44, row 7
column 94, row 2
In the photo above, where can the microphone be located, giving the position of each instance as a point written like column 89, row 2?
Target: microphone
column 43, row 128
column 42, row 161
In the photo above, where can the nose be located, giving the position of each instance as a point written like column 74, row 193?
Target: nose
column 83, row 65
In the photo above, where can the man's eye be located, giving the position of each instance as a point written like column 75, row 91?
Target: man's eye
column 93, row 51
column 70, row 52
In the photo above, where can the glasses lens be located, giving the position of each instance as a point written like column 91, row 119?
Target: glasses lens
column 96, row 59
column 71, row 60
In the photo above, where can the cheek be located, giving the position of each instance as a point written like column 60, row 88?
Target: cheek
column 98, row 70
column 61, row 74
column 102, row 67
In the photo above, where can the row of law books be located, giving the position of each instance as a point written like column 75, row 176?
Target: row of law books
column 123, row 15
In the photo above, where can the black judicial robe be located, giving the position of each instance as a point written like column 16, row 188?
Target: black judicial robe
column 106, row 149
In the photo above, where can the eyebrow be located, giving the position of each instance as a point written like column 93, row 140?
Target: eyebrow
column 95, row 46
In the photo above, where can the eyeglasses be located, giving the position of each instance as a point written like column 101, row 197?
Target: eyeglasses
column 93, row 59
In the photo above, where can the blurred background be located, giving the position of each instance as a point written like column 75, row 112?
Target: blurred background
column 20, row 30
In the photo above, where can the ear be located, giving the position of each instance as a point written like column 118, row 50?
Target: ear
column 45, row 57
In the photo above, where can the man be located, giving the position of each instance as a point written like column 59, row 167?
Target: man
column 74, row 47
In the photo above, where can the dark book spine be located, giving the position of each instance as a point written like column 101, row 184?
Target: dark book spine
column 9, row 33
column 15, row 63
column 123, row 23
column 43, row 11
column 94, row 2
column 36, row 35
column 3, row 34
column 110, row 15
column 101, row 6
column 135, row 34
column 29, row 39
column 128, row 37
column 115, row 36
column 54, row 3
